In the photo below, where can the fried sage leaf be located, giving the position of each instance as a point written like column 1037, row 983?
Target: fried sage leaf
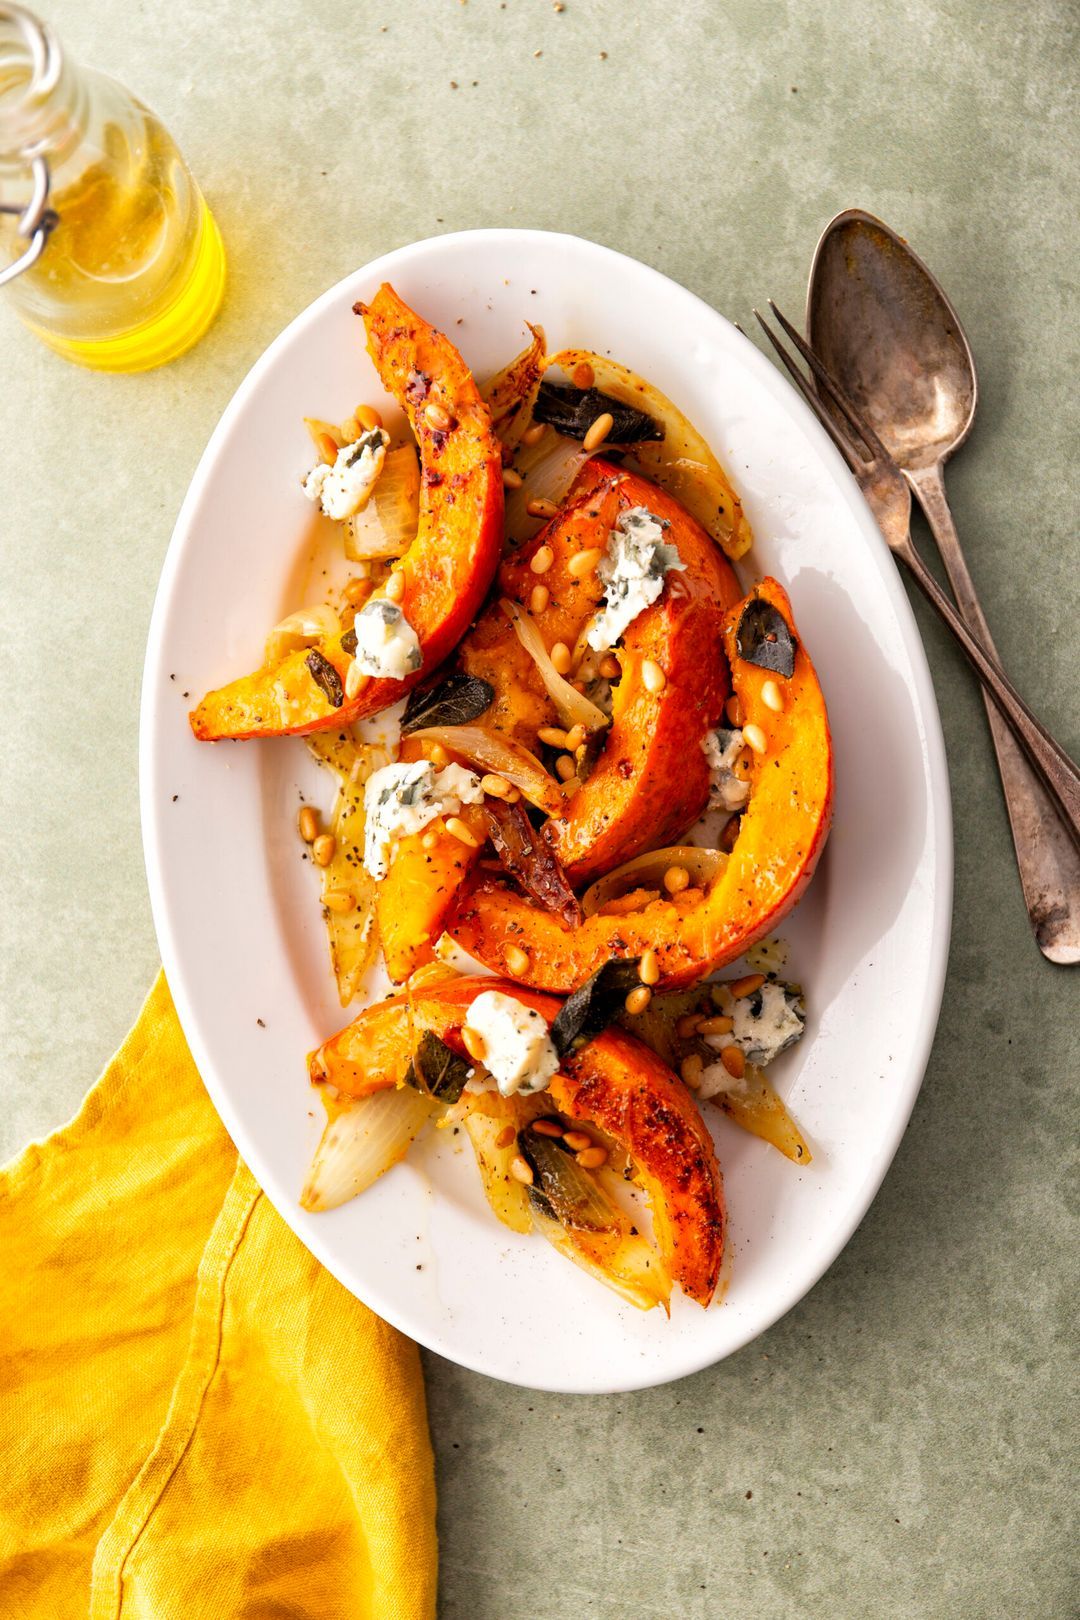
column 436, row 1070
column 572, row 412
column 530, row 860
column 453, row 702
column 325, row 677
column 348, row 641
column 764, row 638
column 592, row 1008
column 561, row 1189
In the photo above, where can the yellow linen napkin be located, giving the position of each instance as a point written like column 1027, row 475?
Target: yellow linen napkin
column 197, row 1422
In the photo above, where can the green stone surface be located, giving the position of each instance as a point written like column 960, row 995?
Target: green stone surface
column 901, row 1444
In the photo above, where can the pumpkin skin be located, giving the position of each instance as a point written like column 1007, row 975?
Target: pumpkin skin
column 651, row 780
column 613, row 1082
column 781, row 837
column 447, row 569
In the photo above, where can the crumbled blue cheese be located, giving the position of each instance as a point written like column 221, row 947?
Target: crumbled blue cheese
column 386, row 643
column 765, row 1024
column 726, row 790
column 402, row 799
column 343, row 489
column 632, row 570
column 518, row 1050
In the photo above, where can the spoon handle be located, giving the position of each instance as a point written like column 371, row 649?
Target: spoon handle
column 1060, row 776
column 1047, row 859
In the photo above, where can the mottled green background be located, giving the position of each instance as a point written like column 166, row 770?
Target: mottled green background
column 901, row 1444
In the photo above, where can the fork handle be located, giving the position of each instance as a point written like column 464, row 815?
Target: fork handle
column 1059, row 775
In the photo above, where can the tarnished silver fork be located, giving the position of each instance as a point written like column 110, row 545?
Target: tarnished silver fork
column 889, row 498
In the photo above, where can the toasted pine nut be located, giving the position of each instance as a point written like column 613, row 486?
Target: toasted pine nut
column 539, row 597
column 457, row 829
column 355, row 680
column 598, row 432
column 541, row 559
column 554, row 736
column 575, row 737
column 583, row 375
column 514, row 796
column 430, row 840
column 521, row 1171
column 328, row 449
column 541, row 509
column 339, row 900
column 676, row 879
column 653, row 676
column 716, row 1026
column 350, row 429
column 474, row 1043
column 532, row 435
column 772, row 697
column 755, row 738
column 733, row 710
column 395, row 586
column 505, row 1136
column 591, row 1158
column 438, row 754
column 584, row 562
column 548, row 1127
column 512, row 479
column 368, row 417
column 734, row 1062
column 565, row 767
column 561, row 657
column 308, row 822
column 439, row 419
column 357, row 591
column 638, row 1000
column 649, row 967
column 323, row 848
column 610, row 668
column 577, row 1141
column 497, row 786
column 517, row 961
column 690, row 1068
column 687, row 1025
column 746, row 987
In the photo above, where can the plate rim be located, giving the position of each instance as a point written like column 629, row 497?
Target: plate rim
column 696, row 1356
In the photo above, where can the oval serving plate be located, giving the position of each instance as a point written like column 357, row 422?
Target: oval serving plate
column 236, row 909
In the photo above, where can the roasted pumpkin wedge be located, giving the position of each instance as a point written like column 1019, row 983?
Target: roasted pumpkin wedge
column 446, row 570
column 781, row 835
column 649, row 781
column 612, row 1082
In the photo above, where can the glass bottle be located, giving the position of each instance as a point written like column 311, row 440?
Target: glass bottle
column 122, row 266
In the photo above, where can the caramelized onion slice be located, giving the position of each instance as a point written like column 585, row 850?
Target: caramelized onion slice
column 483, row 746
column 647, row 872
column 572, row 707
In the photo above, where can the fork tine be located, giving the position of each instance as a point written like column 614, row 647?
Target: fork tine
column 833, row 389
column 843, row 444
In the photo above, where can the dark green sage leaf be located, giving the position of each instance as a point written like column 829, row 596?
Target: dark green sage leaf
column 764, row 638
column 348, row 641
column 593, row 1007
column 453, row 702
column 572, row 411
column 436, row 1070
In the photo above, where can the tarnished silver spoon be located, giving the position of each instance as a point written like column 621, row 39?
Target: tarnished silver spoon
column 885, row 329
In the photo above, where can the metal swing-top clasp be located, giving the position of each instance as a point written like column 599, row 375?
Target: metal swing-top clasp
column 36, row 221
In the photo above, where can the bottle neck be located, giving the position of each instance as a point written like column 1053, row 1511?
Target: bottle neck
column 42, row 101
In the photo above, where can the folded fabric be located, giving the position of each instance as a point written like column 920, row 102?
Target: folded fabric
column 196, row 1420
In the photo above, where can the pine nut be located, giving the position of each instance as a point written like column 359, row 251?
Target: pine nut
column 368, row 417
column 716, row 1026
column 561, row 657
column 355, row 680
column 430, row 840
column 584, row 562
column 517, row 961
column 497, row 786
column 755, row 738
column 357, row 591
column 533, row 435
column 457, row 829
column 565, row 767
column 541, row 509
column 690, row 1069
column 591, row 1158
column 734, row 1062
column 548, row 1127
column 583, row 375
column 577, row 1141
column 553, row 736
column 638, row 1000
column 512, row 479
column 328, row 449
column 653, row 676
column 733, row 710
column 474, row 1043
column 323, row 848
column 676, row 879
column 746, row 987
column 514, row 796
column 541, row 559
column 687, row 1026
column 339, row 900
column 349, row 429
column 521, row 1171
column 575, row 737
column 395, row 586
column 649, row 967
column 772, row 697
column 439, row 419
column 610, row 668
column 598, row 432
column 539, row 597
column 308, row 822
column 505, row 1136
